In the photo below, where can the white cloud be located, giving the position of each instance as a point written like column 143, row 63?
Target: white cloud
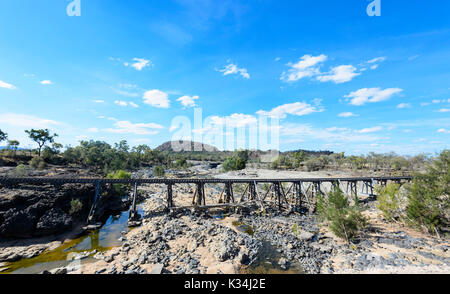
column 92, row 130
column 370, row 130
column 125, row 93
column 28, row 121
column 7, row 86
column 305, row 132
column 297, row 108
column 340, row 74
column 444, row 131
column 156, row 98
column 444, row 110
column 125, row 103
column 375, row 66
column 126, row 127
column 234, row 69
column 404, row 105
column 235, row 120
column 121, row 103
column 188, row 101
column 98, row 101
column 173, row 128
column 347, row 114
column 371, row 95
column 46, row 82
column 377, row 59
column 308, row 66
column 139, row 63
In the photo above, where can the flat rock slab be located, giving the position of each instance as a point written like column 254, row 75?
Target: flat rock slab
column 157, row 269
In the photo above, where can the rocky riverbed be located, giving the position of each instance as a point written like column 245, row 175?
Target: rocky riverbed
column 230, row 241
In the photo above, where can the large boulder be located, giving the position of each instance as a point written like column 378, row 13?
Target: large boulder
column 18, row 223
column 53, row 221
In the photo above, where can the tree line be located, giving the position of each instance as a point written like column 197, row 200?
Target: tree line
column 105, row 157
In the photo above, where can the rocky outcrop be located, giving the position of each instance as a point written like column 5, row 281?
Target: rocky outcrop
column 34, row 211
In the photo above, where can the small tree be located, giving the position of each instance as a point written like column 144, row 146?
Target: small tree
column 429, row 196
column 390, row 201
column 159, row 171
column 41, row 137
column 345, row 221
column 3, row 136
column 13, row 145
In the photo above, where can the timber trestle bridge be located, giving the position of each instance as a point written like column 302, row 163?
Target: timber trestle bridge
column 287, row 194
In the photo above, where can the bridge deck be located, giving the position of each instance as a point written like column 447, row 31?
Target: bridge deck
column 50, row 180
column 300, row 193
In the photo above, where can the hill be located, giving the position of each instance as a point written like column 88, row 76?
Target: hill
column 186, row 146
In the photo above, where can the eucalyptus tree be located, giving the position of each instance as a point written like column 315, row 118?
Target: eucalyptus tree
column 41, row 137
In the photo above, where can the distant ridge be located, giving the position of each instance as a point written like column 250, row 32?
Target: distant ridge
column 186, row 146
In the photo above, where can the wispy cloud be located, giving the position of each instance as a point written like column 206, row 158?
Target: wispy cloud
column 126, row 127
column 404, row 105
column 297, row 109
column 307, row 66
column 231, row 69
column 235, row 120
column 371, row 95
column 125, row 103
column 7, row 86
column 340, row 74
column 139, row 63
column 46, row 82
column 370, row 130
column 28, row 121
column 347, row 114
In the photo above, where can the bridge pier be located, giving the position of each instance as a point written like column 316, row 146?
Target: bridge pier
column 200, row 194
column 277, row 191
column 169, row 196
column 229, row 197
column 252, row 190
column 134, row 218
column 91, row 223
column 298, row 194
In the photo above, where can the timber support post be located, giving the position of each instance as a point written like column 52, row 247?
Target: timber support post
column 134, row 218
column 277, row 191
column 169, row 195
column 91, row 224
column 200, row 194
column 229, row 198
column 298, row 194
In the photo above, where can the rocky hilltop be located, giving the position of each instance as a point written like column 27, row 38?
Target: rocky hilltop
column 185, row 146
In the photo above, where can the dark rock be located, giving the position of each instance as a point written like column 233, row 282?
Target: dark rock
column 53, row 222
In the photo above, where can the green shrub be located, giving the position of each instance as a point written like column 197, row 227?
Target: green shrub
column 38, row 163
column 159, row 171
column 390, row 201
column 22, row 170
column 120, row 189
column 75, row 207
column 428, row 198
column 345, row 221
column 314, row 164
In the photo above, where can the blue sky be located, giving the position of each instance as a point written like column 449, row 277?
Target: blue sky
column 334, row 77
